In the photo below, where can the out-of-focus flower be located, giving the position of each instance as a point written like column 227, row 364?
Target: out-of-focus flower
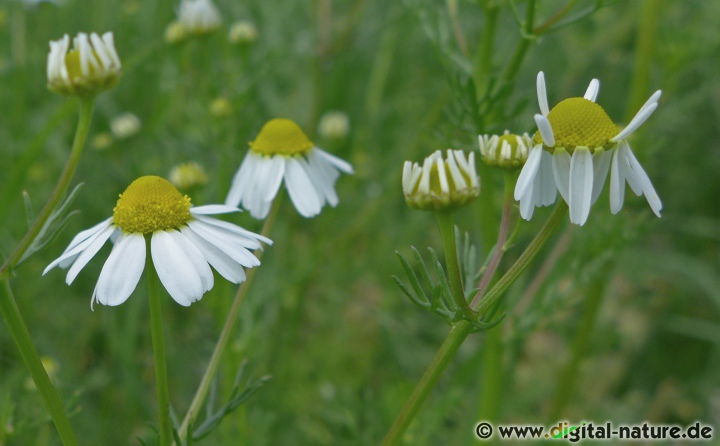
column 441, row 185
column 183, row 242
column 188, row 175
column 101, row 141
column 220, row 108
column 125, row 125
column 91, row 66
column 280, row 152
column 575, row 146
column 243, row 32
column 334, row 125
column 50, row 365
column 194, row 17
column 508, row 151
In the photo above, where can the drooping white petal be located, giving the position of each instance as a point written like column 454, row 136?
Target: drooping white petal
column 240, row 181
column 636, row 122
column 632, row 179
column 122, row 270
column 79, row 243
column 561, row 172
column 227, row 244
column 225, row 266
column 252, row 239
column 323, row 176
column 98, row 240
column 545, row 181
column 542, row 94
column 617, row 183
column 581, row 184
column 275, row 174
column 212, row 209
column 528, row 172
column 601, row 165
column 338, row 163
column 645, row 183
column 176, row 271
column 592, row 90
column 197, row 259
column 300, row 188
column 527, row 203
column 546, row 130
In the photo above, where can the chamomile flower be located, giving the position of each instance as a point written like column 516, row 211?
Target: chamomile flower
column 280, row 152
column 183, row 241
column 508, row 151
column 441, row 185
column 90, row 66
column 575, row 146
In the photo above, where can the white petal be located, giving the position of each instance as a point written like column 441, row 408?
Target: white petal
column 601, row 165
column 211, row 209
column 527, row 204
column 545, row 181
column 442, row 175
column 528, row 172
column 323, row 176
column 636, row 122
column 110, row 47
column 197, row 259
column 647, row 187
column 581, row 184
column 226, row 243
column 617, row 183
column 225, row 266
column 98, row 240
column 561, row 172
column 457, row 177
column 275, row 174
column 546, row 130
column 246, row 238
column 240, row 181
column 632, row 179
column 175, row 270
column 299, row 186
column 79, row 243
column 338, row 163
column 542, row 94
column 592, row 90
column 121, row 271
column 406, row 176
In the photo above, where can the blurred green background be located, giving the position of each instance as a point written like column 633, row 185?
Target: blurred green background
column 343, row 345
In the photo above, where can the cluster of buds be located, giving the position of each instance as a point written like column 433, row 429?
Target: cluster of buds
column 441, row 185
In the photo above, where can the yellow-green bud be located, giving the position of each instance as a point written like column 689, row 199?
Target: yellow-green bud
column 334, row 125
column 188, row 175
column 441, row 185
column 507, row 151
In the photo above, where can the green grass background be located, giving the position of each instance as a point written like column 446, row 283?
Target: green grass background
column 343, row 346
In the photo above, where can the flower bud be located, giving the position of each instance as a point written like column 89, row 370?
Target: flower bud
column 188, row 175
column 125, row 125
column 243, row 32
column 441, row 185
column 91, row 66
column 508, row 151
column 334, row 125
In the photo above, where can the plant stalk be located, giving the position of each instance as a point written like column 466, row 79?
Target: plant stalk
column 446, row 221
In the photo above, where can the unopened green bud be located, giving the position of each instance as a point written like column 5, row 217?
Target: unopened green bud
column 508, row 151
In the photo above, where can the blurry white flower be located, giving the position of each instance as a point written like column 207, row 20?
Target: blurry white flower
column 91, row 66
column 187, row 175
column 441, row 185
column 182, row 240
column 242, row 32
column 125, row 125
column 575, row 146
column 334, row 125
column 280, row 152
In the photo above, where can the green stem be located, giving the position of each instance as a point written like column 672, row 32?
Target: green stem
column 158, row 340
column 541, row 29
column 452, row 8
column 224, row 339
column 492, row 377
column 437, row 366
column 494, row 295
column 83, row 128
column 513, row 67
column 649, row 12
column 483, row 61
column 567, row 379
column 24, row 343
column 461, row 329
column 446, row 221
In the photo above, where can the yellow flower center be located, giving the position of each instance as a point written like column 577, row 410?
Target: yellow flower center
column 579, row 122
column 151, row 204
column 281, row 137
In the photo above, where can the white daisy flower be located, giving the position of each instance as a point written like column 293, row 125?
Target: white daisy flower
column 280, row 152
column 125, row 125
column 441, row 185
column 508, row 150
column 91, row 66
column 575, row 146
column 183, row 241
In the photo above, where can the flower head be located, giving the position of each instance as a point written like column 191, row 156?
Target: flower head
column 125, row 125
column 441, row 185
column 280, row 152
column 89, row 67
column 508, row 151
column 187, row 175
column 184, row 242
column 334, row 125
column 243, row 32
column 574, row 147
column 194, row 17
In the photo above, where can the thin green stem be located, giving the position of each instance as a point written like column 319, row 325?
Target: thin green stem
column 224, row 339
column 458, row 334
column 83, row 128
column 525, row 259
column 492, row 376
column 461, row 329
column 483, row 61
column 513, row 67
column 452, row 8
column 649, row 13
column 158, row 340
column 24, row 343
column 554, row 19
column 446, row 221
